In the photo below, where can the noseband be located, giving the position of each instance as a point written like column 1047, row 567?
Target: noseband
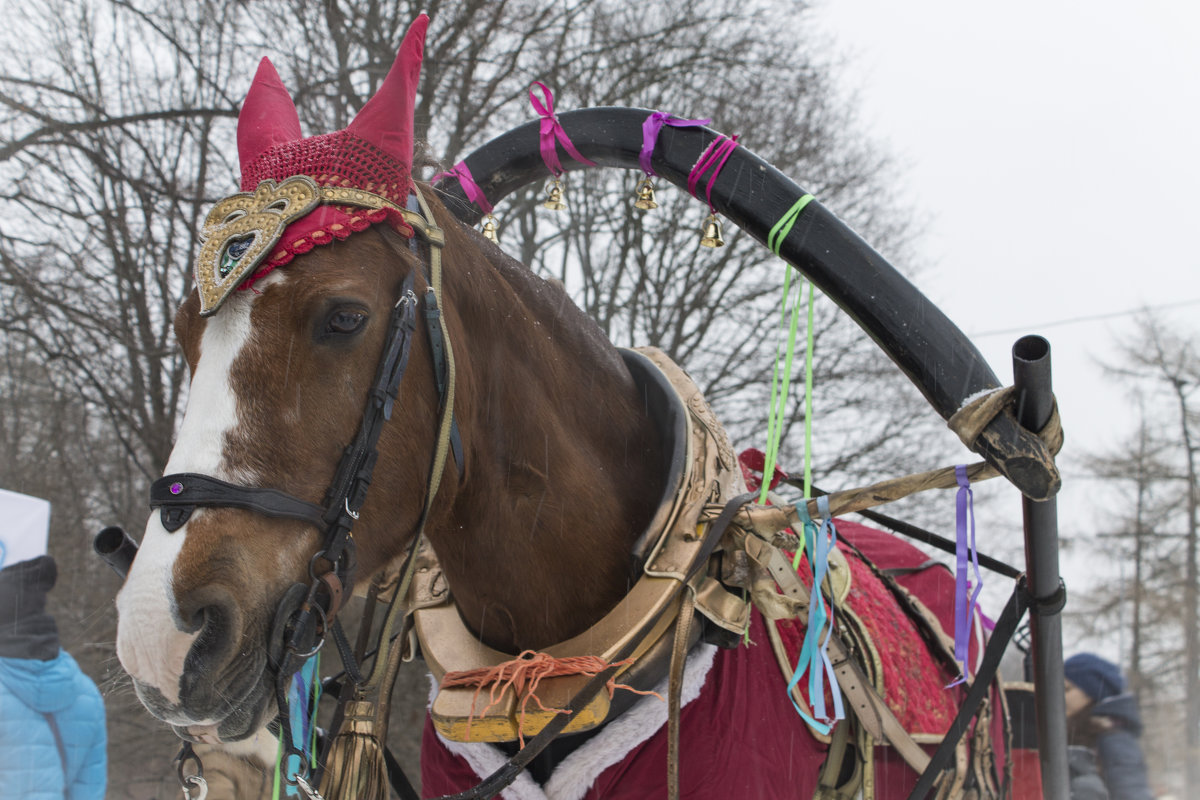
column 298, row 634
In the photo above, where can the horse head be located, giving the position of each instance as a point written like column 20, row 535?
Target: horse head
column 283, row 361
column 313, row 290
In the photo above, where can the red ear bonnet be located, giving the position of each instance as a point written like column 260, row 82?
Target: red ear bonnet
column 386, row 120
column 268, row 116
column 374, row 153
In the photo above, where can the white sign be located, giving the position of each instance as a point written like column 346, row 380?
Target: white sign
column 24, row 527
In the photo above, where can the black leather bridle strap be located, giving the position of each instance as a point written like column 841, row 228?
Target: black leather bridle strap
column 179, row 494
column 348, row 491
column 1006, row 625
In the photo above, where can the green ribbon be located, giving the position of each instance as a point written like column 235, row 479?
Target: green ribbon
column 780, row 385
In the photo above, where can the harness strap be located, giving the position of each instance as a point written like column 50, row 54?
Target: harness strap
column 679, row 651
column 439, row 338
column 386, row 661
column 872, row 712
column 1001, row 635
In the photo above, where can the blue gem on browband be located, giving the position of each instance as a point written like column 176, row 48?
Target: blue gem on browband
column 234, row 253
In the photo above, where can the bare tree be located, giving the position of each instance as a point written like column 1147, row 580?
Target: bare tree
column 1155, row 481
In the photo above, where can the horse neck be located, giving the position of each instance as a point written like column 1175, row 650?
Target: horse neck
column 559, row 480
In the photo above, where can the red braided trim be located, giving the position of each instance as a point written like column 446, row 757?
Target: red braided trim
column 301, row 237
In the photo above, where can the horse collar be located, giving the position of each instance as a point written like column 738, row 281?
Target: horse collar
column 701, row 472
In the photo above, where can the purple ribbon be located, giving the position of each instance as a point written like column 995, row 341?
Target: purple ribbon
column 714, row 157
column 552, row 130
column 965, row 553
column 650, row 130
column 470, row 188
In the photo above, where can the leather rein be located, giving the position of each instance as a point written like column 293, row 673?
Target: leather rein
column 298, row 634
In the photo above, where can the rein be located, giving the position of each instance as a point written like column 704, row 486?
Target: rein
column 299, row 634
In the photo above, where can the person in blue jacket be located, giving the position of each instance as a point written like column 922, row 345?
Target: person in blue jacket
column 52, row 730
column 1103, row 716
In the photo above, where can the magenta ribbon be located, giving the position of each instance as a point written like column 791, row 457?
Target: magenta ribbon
column 552, row 130
column 714, row 157
column 966, row 553
column 470, row 188
column 650, row 130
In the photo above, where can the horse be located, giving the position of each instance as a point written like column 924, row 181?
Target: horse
column 508, row 433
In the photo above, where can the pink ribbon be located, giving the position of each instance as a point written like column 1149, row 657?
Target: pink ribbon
column 650, row 130
column 714, row 157
column 552, row 130
column 470, row 188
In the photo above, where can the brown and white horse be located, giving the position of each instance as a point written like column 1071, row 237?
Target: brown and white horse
column 560, row 466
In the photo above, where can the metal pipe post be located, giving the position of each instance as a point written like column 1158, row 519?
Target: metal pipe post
column 117, row 548
column 1035, row 401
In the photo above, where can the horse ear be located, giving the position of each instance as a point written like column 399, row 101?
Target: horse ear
column 268, row 115
column 386, row 120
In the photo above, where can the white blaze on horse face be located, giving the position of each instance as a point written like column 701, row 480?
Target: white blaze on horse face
column 150, row 643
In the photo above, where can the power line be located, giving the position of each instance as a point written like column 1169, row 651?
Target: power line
column 1089, row 318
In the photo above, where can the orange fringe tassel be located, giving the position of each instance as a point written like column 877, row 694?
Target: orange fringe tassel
column 523, row 674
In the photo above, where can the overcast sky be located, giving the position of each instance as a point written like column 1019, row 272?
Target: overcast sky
column 1053, row 147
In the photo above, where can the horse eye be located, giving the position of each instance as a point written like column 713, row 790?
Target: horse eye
column 345, row 321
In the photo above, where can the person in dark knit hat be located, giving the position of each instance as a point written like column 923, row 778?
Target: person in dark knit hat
column 1103, row 716
column 52, row 735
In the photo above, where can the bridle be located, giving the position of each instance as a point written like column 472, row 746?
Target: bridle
column 298, row 634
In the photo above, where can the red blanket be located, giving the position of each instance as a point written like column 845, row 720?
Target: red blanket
column 740, row 736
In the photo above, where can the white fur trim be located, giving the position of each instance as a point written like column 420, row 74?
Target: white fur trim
column 578, row 771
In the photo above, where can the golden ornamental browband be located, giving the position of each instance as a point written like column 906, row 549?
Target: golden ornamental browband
column 242, row 230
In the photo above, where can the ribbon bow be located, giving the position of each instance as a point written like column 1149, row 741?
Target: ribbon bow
column 650, row 130
column 552, row 130
column 470, row 188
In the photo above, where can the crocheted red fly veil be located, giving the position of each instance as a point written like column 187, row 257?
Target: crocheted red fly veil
column 373, row 153
column 300, row 193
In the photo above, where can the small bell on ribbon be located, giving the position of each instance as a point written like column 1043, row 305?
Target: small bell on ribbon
column 711, row 236
column 490, row 230
column 645, row 195
column 554, row 201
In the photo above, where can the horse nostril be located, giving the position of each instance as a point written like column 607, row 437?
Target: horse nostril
column 212, row 614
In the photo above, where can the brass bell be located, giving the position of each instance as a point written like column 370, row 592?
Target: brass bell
column 712, row 233
column 554, row 201
column 489, row 228
column 645, row 195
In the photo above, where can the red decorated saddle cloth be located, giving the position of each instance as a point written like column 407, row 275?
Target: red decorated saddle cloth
column 893, row 612
column 741, row 737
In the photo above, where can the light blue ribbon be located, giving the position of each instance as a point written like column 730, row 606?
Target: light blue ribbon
column 814, row 653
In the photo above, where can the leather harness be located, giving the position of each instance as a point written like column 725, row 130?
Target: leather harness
column 679, row 575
